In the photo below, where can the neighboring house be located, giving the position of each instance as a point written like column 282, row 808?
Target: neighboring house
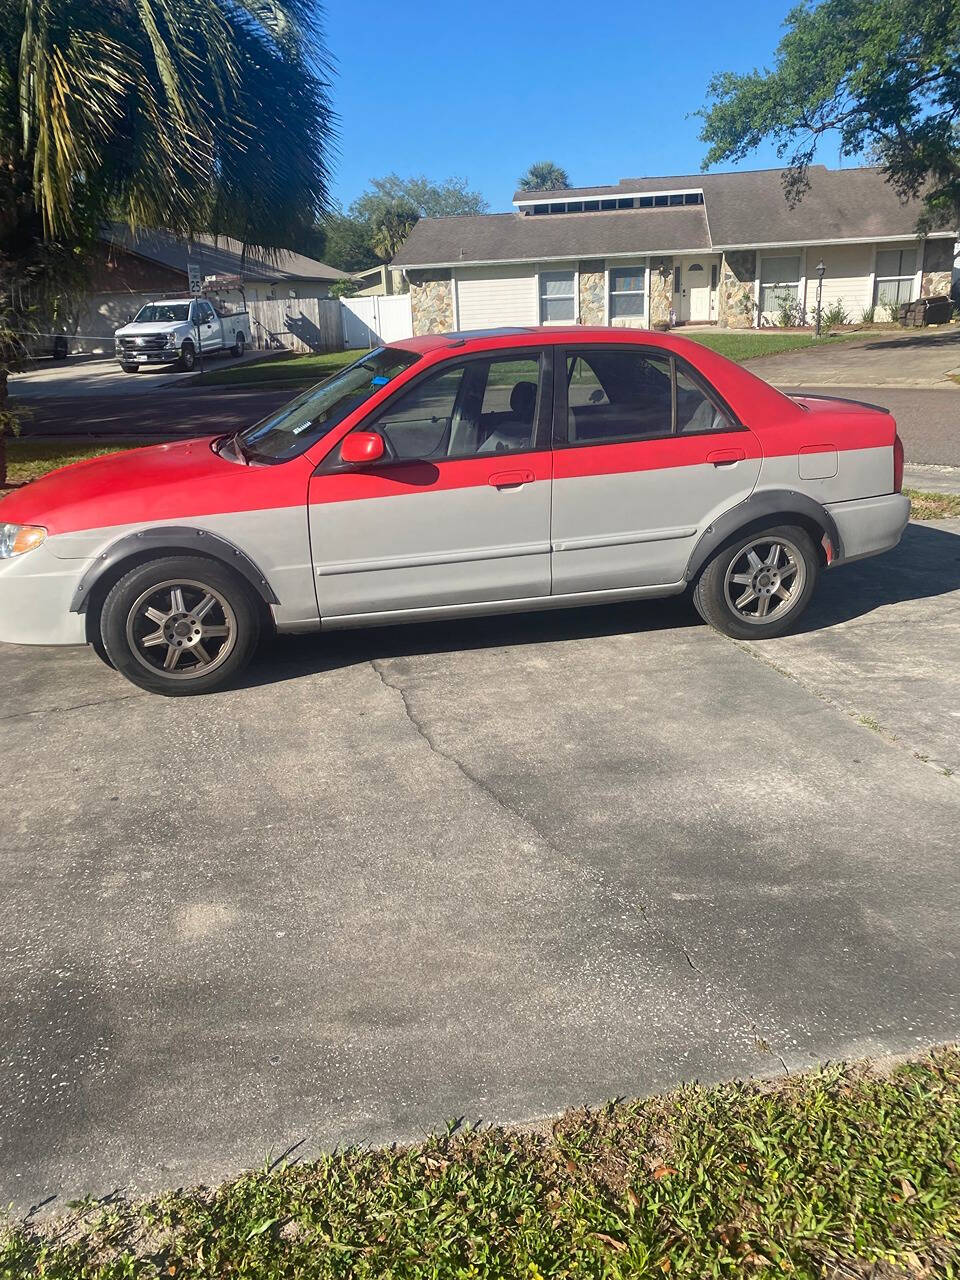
column 379, row 280
column 130, row 269
column 722, row 248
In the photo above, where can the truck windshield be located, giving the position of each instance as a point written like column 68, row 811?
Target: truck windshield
column 162, row 313
column 299, row 424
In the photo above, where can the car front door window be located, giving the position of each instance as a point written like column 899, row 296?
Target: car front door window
column 474, row 408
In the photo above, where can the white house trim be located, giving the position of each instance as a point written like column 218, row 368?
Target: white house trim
column 556, row 198
column 798, row 244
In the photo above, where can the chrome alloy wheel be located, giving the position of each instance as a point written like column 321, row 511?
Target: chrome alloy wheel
column 765, row 580
column 181, row 629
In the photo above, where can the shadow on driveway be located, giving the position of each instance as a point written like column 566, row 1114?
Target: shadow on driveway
column 925, row 564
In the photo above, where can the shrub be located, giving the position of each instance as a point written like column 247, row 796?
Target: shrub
column 868, row 314
column 835, row 315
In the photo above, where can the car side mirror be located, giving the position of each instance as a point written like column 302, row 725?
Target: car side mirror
column 361, row 447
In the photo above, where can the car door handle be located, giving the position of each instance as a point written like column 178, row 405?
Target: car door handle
column 725, row 457
column 510, row 479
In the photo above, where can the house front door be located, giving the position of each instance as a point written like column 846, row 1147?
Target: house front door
column 695, row 292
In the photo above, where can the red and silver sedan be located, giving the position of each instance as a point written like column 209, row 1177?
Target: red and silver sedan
column 451, row 475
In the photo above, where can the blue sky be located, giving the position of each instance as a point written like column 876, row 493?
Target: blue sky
column 483, row 89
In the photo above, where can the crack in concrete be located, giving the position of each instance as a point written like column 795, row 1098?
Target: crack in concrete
column 75, row 706
column 600, row 883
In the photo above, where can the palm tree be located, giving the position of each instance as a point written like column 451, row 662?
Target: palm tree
column 545, row 176
column 391, row 226
column 189, row 115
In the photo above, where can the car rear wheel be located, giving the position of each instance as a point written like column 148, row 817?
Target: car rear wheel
column 238, row 345
column 180, row 625
column 188, row 356
column 759, row 585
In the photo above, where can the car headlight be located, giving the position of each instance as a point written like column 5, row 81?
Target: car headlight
column 15, row 539
column 171, row 339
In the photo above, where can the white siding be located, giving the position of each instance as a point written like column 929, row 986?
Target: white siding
column 488, row 297
column 848, row 277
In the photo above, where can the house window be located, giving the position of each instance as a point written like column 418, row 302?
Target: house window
column 896, row 271
column 626, row 292
column 779, row 283
column 557, row 296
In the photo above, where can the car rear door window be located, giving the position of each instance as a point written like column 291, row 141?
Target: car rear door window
column 615, row 395
column 695, row 410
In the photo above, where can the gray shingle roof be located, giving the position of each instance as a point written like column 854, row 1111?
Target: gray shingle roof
column 221, row 256
column 514, row 237
column 742, row 209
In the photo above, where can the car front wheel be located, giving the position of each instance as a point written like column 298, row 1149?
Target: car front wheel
column 180, row 625
column 188, row 356
column 759, row 585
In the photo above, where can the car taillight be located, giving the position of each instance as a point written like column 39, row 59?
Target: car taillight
column 897, row 463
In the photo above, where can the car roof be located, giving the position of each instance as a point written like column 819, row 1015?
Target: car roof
column 466, row 341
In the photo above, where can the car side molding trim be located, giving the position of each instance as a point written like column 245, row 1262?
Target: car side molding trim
column 171, row 538
column 781, row 504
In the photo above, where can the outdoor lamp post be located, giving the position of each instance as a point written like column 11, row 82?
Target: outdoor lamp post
column 820, row 270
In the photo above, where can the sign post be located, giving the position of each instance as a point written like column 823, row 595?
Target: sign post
column 195, row 281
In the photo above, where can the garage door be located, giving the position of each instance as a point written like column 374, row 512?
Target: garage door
column 494, row 296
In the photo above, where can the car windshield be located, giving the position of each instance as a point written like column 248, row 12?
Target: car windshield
column 303, row 421
column 162, row 312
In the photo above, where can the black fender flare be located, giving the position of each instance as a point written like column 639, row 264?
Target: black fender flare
column 171, row 538
column 781, row 504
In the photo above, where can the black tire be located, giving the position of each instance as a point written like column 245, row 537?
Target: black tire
column 731, row 579
column 239, row 344
column 130, row 368
column 60, row 350
column 188, row 357
column 197, row 651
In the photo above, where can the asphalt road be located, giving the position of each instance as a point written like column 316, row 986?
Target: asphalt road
column 929, row 421
column 168, row 412
column 485, row 869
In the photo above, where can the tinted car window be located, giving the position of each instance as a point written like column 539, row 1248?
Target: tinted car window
column 476, row 407
column 695, row 411
column 617, row 395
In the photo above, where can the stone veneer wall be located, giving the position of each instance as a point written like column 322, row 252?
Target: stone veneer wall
column 937, row 268
column 738, row 273
column 431, row 302
column 661, row 290
column 593, row 284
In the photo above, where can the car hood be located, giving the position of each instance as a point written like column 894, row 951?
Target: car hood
column 144, row 330
column 159, row 483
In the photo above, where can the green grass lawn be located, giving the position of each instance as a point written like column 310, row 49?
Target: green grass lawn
column 843, row 1172
column 750, row 344
column 30, row 459
column 278, row 369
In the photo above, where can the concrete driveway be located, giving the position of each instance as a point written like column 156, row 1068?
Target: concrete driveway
column 489, row 869
column 99, row 377
column 898, row 358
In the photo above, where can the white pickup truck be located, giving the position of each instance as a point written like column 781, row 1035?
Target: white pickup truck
column 169, row 331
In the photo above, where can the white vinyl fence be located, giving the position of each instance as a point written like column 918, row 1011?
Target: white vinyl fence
column 326, row 324
column 367, row 322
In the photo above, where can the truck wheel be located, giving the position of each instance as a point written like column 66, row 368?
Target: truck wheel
column 760, row 585
column 237, row 348
column 180, row 625
column 130, row 368
column 188, row 356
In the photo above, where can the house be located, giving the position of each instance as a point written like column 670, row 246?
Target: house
column 722, row 248
column 130, row 269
